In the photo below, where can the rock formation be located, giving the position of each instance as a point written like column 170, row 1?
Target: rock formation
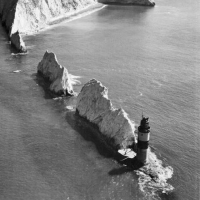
column 133, row 2
column 94, row 105
column 28, row 16
column 58, row 76
column 17, row 42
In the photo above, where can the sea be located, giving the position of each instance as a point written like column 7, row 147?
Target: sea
column 149, row 59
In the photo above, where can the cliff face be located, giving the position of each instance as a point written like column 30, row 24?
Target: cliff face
column 28, row 16
column 133, row 2
column 58, row 76
column 94, row 105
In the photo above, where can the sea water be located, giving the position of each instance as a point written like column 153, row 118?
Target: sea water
column 149, row 58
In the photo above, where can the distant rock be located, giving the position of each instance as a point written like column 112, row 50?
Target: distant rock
column 18, row 43
column 133, row 2
column 94, row 105
column 58, row 76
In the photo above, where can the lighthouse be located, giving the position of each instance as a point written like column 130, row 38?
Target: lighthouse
column 143, row 140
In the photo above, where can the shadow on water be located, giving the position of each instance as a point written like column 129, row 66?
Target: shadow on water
column 170, row 196
column 45, row 84
column 89, row 132
column 104, row 145
column 128, row 166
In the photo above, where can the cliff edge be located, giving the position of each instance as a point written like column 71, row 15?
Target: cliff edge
column 94, row 105
column 28, row 16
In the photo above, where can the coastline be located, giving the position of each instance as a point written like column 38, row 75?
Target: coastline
column 18, row 42
column 77, row 14
column 68, row 17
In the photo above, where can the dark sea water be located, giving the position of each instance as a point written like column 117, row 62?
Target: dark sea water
column 149, row 58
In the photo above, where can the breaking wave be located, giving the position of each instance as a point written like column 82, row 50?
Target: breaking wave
column 19, row 54
column 153, row 177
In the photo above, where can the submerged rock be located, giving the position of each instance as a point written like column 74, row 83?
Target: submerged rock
column 94, row 105
column 133, row 2
column 58, row 76
column 18, row 43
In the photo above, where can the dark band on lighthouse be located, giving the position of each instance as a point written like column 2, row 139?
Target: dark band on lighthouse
column 143, row 140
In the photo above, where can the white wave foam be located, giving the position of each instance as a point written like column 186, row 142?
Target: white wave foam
column 153, row 177
column 30, row 47
column 17, row 71
column 70, row 108
column 19, row 54
column 57, row 98
column 73, row 79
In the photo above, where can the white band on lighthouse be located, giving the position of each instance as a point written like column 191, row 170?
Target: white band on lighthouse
column 143, row 137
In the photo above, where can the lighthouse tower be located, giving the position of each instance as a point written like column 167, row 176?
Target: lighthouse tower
column 143, row 140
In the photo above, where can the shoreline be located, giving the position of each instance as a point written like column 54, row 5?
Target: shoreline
column 68, row 17
column 77, row 14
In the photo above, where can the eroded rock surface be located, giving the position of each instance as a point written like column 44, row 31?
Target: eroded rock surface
column 133, row 2
column 94, row 105
column 57, row 75
column 17, row 42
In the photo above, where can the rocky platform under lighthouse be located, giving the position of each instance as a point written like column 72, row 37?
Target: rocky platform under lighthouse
column 143, row 141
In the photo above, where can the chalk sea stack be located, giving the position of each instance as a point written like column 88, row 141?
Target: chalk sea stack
column 17, row 42
column 94, row 105
column 58, row 76
column 29, row 16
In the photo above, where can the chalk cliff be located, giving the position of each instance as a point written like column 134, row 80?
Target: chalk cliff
column 60, row 80
column 94, row 105
column 133, row 2
column 27, row 16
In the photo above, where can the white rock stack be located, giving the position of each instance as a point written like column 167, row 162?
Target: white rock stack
column 94, row 105
column 58, row 75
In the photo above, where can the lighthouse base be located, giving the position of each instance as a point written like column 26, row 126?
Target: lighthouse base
column 142, row 155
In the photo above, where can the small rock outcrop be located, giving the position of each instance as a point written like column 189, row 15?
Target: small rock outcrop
column 18, row 43
column 133, row 2
column 94, row 105
column 58, row 76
